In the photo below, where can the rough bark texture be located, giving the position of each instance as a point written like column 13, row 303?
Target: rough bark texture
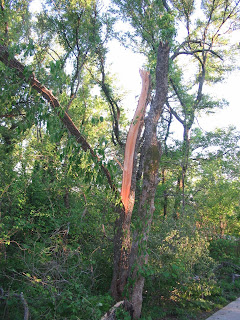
column 127, row 258
column 152, row 156
column 121, row 254
column 122, row 239
column 23, row 73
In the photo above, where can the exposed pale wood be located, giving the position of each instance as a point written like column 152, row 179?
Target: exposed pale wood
column 132, row 138
column 110, row 315
column 152, row 156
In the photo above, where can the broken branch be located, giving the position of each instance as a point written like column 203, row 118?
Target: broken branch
column 48, row 95
column 132, row 138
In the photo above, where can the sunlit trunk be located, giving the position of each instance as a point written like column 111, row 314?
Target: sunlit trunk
column 122, row 239
column 145, row 210
column 130, row 259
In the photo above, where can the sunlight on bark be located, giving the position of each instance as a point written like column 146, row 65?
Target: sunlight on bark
column 132, row 138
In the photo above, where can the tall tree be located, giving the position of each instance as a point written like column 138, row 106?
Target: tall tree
column 214, row 166
column 207, row 46
column 69, row 56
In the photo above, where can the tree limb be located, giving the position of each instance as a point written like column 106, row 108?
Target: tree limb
column 177, row 93
column 110, row 315
column 47, row 94
column 196, row 51
column 11, row 115
column 166, row 6
column 25, row 305
column 172, row 111
column 114, row 108
column 19, row 296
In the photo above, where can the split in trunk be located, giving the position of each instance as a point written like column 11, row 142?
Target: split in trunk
column 130, row 259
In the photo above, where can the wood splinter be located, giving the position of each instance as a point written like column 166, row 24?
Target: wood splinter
column 132, row 138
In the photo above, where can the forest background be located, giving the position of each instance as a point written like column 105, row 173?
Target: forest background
column 81, row 225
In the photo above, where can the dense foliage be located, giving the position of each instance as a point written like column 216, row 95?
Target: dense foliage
column 57, row 210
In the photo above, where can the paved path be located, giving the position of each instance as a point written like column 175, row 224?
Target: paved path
column 230, row 312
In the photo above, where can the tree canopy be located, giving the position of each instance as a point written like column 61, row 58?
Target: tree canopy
column 95, row 208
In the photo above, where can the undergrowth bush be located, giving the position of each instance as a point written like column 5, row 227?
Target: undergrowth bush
column 60, row 261
column 189, row 271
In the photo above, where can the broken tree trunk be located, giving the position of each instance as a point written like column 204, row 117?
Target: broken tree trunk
column 130, row 259
column 122, row 243
column 152, row 156
column 131, row 142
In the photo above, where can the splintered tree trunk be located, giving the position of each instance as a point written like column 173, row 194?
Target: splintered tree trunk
column 152, row 155
column 122, row 239
column 129, row 258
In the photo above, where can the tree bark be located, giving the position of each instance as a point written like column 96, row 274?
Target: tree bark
column 128, row 260
column 124, row 261
column 122, row 239
column 152, row 156
column 180, row 189
column 165, row 196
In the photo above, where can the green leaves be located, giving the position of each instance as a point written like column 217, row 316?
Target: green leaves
column 28, row 48
column 151, row 23
column 57, row 214
column 96, row 120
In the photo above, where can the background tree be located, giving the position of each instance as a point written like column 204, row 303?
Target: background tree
column 66, row 48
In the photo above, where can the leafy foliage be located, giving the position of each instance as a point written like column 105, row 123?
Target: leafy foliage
column 57, row 214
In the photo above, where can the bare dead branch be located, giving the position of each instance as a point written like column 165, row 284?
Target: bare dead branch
column 196, row 51
column 172, row 111
column 22, row 299
column 110, row 315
